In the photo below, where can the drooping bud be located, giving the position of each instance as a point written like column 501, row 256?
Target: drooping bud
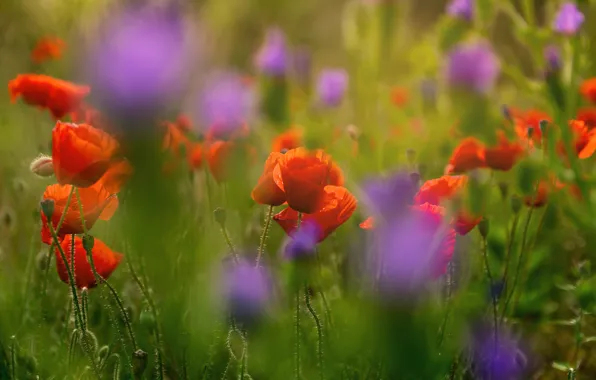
column 47, row 207
column 42, row 166
column 503, row 189
column 139, row 362
column 88, row 243
column 220, row 215
column 516, row 204
column 483, row 227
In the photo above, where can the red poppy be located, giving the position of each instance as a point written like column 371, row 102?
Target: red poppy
column 86, row 114
column 368, row 224
column 468, row 155
column 399, row 96
column 97, row 203
column 435, row 216
column 464, row 222
column 338, row 205
column 290, row 139
column 195, row 158
column 175, row 140
column 266, row 192
column 81, row 154
column 588, row 116
column 585, row 139
column 219, row 155
column 435, row 190
column 523, row 120
column 540, row 197
column 47, row 48
column 184, row 123
column 588, row 89
column 104, row 259
column 302, row 176
column 116, row 176
column 504, row 155
column 58, row 96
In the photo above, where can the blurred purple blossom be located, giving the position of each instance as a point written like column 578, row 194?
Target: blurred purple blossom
column 388, row 197
column 226, row 103
column 461, row 8
column 139, row 61
column 552, row 56
column 498, row 359
column 332, row 85
column 568, row 20
column 247, row 290
column 303, row 241
column 473, row 66
column 302, row 65
column 272, row 58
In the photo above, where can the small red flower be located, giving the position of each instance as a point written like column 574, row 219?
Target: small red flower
column 588, row 89
column 434, row 191
column 104, row 259
column 504, row 155
column 266, row 192
column 47, row 48
column 368, row 224
column 588, row 116
column 530, row 118
column 468, row 155
column 338, row 206
column 290, row 139
column 58, row 96
column 464, row 222
column 399, row 96
column 195, row 158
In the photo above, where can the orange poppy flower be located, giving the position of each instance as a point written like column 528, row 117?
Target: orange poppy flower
column 468, row 155
column 504, row 155
column 97, row 202
column 58, row 96
column 81, row 154
column 290, row 139
column 302, row 176
column 588, row 116
column 399, row 96
column 175, row 140
column 464, row 222
column 530, row 118
column 195, row 158
column 266, row 192
column 338, row 205
column 539, row 199
column 47, row 48
column 435, row 190
column 104, row 259
column 584, row 140
column 588, row 89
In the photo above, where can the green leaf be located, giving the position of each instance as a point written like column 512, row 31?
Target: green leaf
column 563, row 367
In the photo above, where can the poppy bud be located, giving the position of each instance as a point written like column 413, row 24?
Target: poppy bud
column 88, row 243
column 42, row 166
column 516, row 204
column 483, row 227
column 220, row 215
column 504, row 189
column 543, row 124
column 103, row 352
column 47, row 207
column 89, row 341
column 147, row 320
column 139, row 362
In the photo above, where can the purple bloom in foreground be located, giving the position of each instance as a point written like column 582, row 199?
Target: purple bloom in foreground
column 472, row 66
column 331, row 87
column 139, row 62
column 226, row 103
column 303, row 241
column 272, row 57
column 247, row 290
column 552, row 56
column 497, row 359
column 388, row 197
column 568, row 20
column 461, row 8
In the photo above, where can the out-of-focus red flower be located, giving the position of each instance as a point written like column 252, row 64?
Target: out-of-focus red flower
column 588, row 89
column 195, row 158
column 86, row 114
column 368, row 223
column 266, row 191
column 81, row 154
column 116, row 176
column 184, row 123
column 104, row 259
column 175, row 141
column 290, row 139
column 47, row 48
column 464, row 222
column 58, row 96
column 468, row 155
column 504, row 155
column 434, row 191
column 98, row 203
column 584, row 140
column 530, row 118
column 338, row 205
column 302, row 176
column 399, row 96
column 540, row 198
column 588, row 116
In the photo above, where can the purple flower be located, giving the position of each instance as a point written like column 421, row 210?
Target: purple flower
column 303, row 241
column 552, row 56
column 331, row 87
column 247, row 290
column 226, row 103
column 461, row 8
column 272, row 58
column 472, row 66
column 388, row 197
column 139, row 61
column 499, row 358
column 568, row 20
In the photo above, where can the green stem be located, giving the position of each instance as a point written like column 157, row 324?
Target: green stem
column 297, row 327
column 491, row 289
column 13, row 358
column 319, row 328
column 510, row 247
column 264, row 235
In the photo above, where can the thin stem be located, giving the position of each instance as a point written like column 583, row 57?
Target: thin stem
column 519, row 262
column 491, row 289
column 264, row 235
column 578, row 340
column 244, row 358
column 13, row 357
column 315, row 317
column 83, row 325
column 226, row 236
column 509, row 247
column 297, row 327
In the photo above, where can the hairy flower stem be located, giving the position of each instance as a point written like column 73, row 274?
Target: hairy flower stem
column 519, row 262
column 264, row 235
column 297, row 328
column 319, row 328
column 510, row 247
column 493, row 296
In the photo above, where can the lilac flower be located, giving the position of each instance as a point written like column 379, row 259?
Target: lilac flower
column 472, row 66
column 568, row 20
column 552, row 56
column 461, row 8
column 139, row 62
column 331, row 87
column 226, row 103
column 389, row 196
column 499, row 358
column 247, row 290
column 272, row 57
column 303, row 241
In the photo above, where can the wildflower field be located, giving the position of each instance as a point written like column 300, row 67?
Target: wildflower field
column 342, row 189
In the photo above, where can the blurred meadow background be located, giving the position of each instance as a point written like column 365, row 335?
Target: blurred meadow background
column 235, row 189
